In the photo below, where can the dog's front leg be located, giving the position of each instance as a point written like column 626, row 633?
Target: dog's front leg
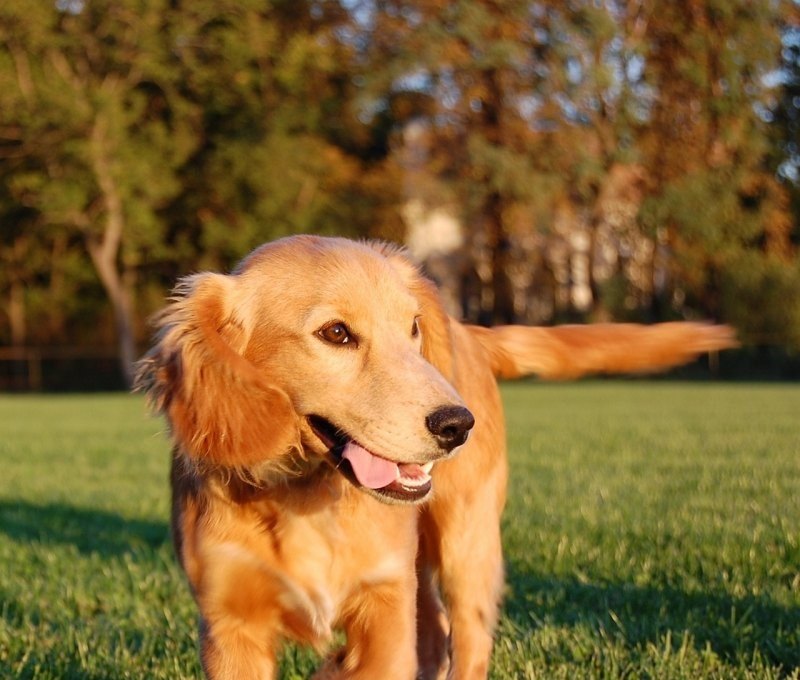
column 236, row 652
column 239, row 621
column 247, row 609
column 380, row 624
column 433, row 627
column 461, row 531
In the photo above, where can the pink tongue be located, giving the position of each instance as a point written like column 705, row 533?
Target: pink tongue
column 371, row 471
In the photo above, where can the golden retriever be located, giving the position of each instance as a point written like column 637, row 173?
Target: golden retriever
column 339, row 454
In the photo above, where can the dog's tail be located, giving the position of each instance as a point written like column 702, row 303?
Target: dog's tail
column 564, row 352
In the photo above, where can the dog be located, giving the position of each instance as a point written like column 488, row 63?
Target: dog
column 339, row 459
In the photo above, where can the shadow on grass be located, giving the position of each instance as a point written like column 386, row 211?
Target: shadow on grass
column 735, row 628
column 88, row 529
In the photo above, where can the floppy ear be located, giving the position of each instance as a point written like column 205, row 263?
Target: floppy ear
column 221, row 410
column 434, row 322
column 437, row 342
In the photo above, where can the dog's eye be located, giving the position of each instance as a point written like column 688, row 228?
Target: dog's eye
column 336, row 333
column 415, row 328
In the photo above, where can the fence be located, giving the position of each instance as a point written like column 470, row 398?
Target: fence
column 62, row 369
column 59, row 369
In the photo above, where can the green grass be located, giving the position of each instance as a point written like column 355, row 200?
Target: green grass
column 652, row 530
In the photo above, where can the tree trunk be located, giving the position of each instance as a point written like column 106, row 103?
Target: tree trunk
column 502, row 293
column 105, row 251
column 502, row 311
column 597, row 311
column 15, row 270
column 16, row 312
column 117, row 287
column 58, row 287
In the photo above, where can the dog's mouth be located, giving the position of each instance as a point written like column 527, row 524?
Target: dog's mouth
column 386, row 479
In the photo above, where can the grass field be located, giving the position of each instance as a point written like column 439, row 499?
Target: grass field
column 652, row 530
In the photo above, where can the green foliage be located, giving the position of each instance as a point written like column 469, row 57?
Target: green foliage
column 760, row 296
column 719, row 234
column 714, row 197
column 202, row 129
column 211, row 125
column 650, row 532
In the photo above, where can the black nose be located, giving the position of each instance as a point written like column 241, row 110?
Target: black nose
column 450, row 425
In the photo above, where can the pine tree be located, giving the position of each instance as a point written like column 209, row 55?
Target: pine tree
column 158, row 137
column 713, row 191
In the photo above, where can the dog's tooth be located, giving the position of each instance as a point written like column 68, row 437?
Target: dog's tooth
column 427, row 467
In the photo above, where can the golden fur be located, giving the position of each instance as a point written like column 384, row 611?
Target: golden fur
column 319, row 350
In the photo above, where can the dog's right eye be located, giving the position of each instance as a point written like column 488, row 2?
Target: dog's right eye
column 337, row 333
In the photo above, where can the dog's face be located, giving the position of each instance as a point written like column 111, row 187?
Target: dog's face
column 326, row 347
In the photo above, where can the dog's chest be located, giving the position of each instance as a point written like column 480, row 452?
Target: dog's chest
column 330, row 557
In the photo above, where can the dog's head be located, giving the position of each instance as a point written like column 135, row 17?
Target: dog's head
column 313, row 350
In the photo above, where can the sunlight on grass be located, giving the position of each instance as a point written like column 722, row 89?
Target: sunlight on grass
column 651, row 531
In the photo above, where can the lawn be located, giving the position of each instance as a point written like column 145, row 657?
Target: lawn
column 652, row 530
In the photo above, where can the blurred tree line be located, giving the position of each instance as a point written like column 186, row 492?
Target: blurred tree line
column 646, row 151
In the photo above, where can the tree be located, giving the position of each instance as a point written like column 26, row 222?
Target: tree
column 86, row 87
column 713, row 191
column 640, row 153
column 281, row 148
column 784, row 113
column 478, row 65
column 163, row 136
column 541, row 109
